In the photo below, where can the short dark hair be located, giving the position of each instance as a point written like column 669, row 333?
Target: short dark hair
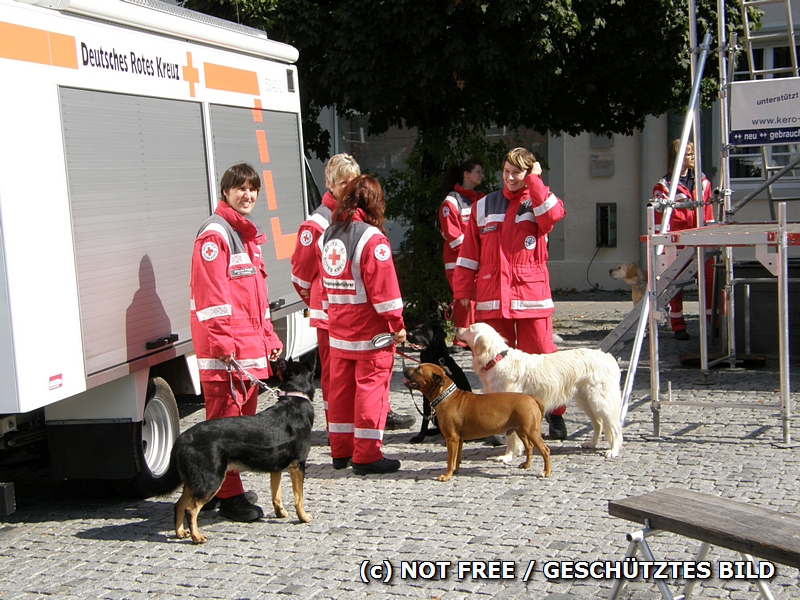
column 363, row 192
column 238, row 175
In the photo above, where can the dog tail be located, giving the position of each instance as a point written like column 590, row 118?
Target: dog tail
column 164, row 485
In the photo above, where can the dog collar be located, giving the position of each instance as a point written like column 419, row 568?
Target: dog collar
column 282, row 394
column 443, row 395
column 495, row 360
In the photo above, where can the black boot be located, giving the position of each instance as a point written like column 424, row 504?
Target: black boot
column 397, row 421
column 558, row 429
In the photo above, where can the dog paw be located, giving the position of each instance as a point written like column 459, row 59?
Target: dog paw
column 199, row 539
column 505, row 458
column 544, row 474
column 305, row 517
column 280, row 512
column 525, row 465
column 416, row 439
column 181, row 533
column 588, row 445
column 612, row 453
column 444, row 477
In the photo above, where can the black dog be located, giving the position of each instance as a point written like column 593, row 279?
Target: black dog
column 430, row 340
column 275, row 439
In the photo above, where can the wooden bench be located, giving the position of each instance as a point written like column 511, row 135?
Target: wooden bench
column 749, row 530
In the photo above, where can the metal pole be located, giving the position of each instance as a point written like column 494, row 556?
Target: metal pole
column 637, row 348
column 652, row 299
column 697, row 73
column 783, row 323
column 687, row 127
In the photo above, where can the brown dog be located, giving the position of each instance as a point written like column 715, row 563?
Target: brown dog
column 632, row 274
column 464, row 416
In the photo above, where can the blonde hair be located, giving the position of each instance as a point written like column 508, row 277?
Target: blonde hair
column 520, row 158
column 340, row 168
column 673, row 151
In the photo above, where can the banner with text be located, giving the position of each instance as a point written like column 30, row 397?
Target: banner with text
column 765, row 112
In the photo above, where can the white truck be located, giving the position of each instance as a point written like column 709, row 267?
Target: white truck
column 117, row 120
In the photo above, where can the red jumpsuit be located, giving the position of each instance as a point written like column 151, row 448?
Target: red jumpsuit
column 306, row 276
column 681, row 219
column 364, row 300
column 230, row 315
column 504, row 258
column 453, row 222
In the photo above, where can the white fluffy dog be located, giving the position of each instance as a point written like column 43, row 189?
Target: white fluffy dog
column 589, row 376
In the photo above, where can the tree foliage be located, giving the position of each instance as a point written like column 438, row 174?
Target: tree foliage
column 452, row 68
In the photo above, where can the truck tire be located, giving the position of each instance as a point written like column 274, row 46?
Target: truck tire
column 153, row 439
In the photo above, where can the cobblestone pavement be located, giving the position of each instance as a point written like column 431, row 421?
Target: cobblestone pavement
column 62, row 544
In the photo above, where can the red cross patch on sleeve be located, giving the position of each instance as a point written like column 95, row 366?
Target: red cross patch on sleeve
column 210, row 251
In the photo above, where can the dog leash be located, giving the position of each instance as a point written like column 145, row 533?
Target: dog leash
column 243, row 373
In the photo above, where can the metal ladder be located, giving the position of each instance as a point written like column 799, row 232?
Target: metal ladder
column 779, row 35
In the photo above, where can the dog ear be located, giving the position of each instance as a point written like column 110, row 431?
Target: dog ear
column 436, row 378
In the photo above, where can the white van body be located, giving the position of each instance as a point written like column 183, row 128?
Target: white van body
column 117, row 120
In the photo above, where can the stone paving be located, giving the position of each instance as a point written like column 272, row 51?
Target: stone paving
column 482, row 529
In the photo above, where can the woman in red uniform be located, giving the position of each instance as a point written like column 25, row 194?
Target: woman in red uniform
column 230, row 316
column 364, row 301
column 340, row 170
column 502, row 265
column 453, row 222
column 684, row 218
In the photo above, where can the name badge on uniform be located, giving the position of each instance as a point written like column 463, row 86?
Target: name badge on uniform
column 488, row 228
column 235, row 272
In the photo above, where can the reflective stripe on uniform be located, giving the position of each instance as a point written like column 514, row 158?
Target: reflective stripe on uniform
column 368, row 434
column 532, row 304
column 240, row 259
column 467, row 263
column 546, row 205
column 359, row 346
column 213, row 312
column 384, row 307
column 341, row 427
column 490, row 305
column 319, row 315
column 214, row 364
column 301, row 282
column 457, row 242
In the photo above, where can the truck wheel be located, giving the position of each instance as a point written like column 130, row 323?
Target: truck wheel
column 154, row 437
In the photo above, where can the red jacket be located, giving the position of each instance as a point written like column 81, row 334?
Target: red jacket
column 361, row 285
column 229, row 306
column 504, row 254
column 683, row 218
column 307, row 256
column 453, row 222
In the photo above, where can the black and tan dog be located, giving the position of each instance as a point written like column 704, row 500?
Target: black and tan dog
column 431, row 341
column 271, row 441
column 467, row 416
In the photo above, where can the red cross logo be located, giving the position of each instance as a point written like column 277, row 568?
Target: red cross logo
column 382, row 252
column 334, row 257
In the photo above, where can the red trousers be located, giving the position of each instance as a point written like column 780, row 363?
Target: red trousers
column 220, row 403
column 676, row 319
column 534, row 336
column 324, row 347
column 462, row 317
column 358, row 403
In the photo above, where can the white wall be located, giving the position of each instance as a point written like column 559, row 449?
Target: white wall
column 639, row 161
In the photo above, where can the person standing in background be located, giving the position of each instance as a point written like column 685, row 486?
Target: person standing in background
column 684, row 218
column 502, row 265
column 459, row 184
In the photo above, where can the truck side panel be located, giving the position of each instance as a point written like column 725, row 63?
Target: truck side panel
column 138, row 191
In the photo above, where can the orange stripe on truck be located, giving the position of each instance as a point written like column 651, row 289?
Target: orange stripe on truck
column 37, row 46
column 229, row 79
